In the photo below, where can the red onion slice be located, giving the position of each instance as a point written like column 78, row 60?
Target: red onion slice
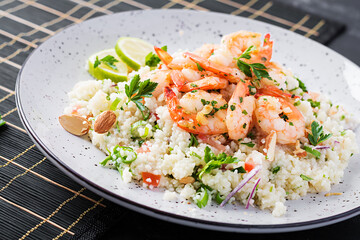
column 249, row 176
column 321, row 147
column 252, row 193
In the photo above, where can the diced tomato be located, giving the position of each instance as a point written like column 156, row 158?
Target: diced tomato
column 249, row 166
column 151, row 179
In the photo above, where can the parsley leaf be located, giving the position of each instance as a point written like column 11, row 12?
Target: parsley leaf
column 246, row 53
column 137, row 90
column 317, row 135
column 215, row 161
column 258, row 69
column 108, row 61
column 152, row 60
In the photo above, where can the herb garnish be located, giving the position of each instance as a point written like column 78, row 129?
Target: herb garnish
column 317, row 135
column 108, row 61
column 199, row 67
column 301, row 85
column 137, row 90
column 306, row 178
column 312, row 151
column 258, row 69
column 215, row 161
column 275, row 169
column 240, row 169
column 314, row 104
column 193, row 141
column 249, row 144
column 152, row 60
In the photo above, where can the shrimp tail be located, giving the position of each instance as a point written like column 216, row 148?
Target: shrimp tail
column 164, row 56
column 213, row 67
column 275, row 92
column 178, row 78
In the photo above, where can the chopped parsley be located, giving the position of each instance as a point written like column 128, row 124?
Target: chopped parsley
column 284, row 116
column 215, row 161
column 136, row 91
column 244, row 125
column 199, row 67
column 317, row 135
column 232, row 107
column 244, row 112
column 314, row 104
column 275, row 170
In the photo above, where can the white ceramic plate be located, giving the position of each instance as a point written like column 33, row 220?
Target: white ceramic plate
column 53, row 68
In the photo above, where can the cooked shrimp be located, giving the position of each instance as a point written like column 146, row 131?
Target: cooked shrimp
column 162, row 77
column 174, row 63
column 263, row 54
column 284, row 118
column 238, row 42
column 234, row 75
column 275, row 92
column 199, row 113
column 206, row 83
column 206, row 50
column 240, row 112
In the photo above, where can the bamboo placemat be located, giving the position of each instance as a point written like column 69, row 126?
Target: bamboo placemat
column 38, row 201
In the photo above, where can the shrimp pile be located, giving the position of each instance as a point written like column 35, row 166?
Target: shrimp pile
column 208, row 93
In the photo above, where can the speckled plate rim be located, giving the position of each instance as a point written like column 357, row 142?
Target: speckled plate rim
column 153, row 212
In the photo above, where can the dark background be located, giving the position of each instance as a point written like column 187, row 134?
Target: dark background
column 137, row 226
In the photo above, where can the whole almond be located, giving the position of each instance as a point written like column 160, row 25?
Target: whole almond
column 74, row 124
column 104, row 122
column 187, row 180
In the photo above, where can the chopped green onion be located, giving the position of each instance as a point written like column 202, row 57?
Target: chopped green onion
column 312, row 151
column 219, row 198
column 201, row 197
column 114, row 104
column 135, row 127
column 306, row 178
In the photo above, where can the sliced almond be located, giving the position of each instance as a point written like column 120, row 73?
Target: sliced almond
column 299, row 151
column 187, row 180
column 104, row 122
column 270, row 145
column 74, row 124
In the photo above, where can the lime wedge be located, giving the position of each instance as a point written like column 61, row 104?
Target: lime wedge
column 133, row 51
column 103, row 71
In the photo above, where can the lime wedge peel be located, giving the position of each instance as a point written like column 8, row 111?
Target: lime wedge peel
column 105, row 72
column 133, row 51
